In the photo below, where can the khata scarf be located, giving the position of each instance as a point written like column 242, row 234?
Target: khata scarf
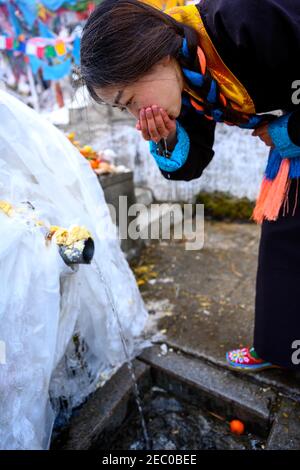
column 212, row 103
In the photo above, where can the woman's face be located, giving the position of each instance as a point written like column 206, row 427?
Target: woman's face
column 162, row 86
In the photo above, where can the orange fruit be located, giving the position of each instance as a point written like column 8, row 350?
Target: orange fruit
column 237, row 426
column 94, row 164
column 88, row 149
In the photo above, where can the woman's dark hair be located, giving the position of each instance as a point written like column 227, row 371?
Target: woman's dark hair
column 123, row 39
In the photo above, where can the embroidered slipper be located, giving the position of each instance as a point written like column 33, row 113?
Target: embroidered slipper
column 247, row 359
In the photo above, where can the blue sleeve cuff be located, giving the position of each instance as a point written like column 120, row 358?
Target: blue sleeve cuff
column 278, row 130
column 179, row 154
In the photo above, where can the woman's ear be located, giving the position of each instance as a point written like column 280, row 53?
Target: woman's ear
column 165, row 61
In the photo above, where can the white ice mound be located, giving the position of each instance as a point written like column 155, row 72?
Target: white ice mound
column 57, row 327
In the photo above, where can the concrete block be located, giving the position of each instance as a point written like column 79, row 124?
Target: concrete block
column 101, row 415
column 212, row 387
column 285, row 434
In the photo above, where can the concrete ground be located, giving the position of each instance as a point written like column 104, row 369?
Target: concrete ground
column 202, row 302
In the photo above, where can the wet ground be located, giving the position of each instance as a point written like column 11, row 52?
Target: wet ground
column 176, row 425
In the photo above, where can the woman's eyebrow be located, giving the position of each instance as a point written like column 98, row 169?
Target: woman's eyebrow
column 119, row 94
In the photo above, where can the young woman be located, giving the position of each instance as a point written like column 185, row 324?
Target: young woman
column 182, row 70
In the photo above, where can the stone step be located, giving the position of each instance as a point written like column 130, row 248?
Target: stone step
column 214, row 388
column 285, row 383
column 285, row 430
column 211, row 388
column 101, row 415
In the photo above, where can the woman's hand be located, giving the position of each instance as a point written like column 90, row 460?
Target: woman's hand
column 263, row 133
column 155, row 124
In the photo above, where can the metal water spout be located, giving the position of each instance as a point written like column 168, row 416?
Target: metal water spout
column 81, row 252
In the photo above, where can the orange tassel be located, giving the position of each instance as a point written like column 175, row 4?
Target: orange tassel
column 286, row 199
column 296, row 197
column 258, row 212
column 272, row 194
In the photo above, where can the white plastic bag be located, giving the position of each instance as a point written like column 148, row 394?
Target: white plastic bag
column 61, row 335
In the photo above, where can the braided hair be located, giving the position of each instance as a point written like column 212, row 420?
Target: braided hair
column 213, row 104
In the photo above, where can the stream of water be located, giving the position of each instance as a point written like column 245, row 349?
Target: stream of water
column 129, row 362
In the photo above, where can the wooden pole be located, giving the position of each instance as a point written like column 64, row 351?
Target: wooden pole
column 59, row 95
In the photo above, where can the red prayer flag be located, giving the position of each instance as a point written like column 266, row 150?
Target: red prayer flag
column 40, row 52
column 9, row 43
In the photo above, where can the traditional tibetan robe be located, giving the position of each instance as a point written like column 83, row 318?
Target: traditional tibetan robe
column 252, row 49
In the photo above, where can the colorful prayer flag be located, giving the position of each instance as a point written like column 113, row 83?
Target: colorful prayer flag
column 9, row 43
column 60, row 48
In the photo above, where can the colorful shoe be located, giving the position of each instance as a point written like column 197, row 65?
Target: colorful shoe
column 247, row 359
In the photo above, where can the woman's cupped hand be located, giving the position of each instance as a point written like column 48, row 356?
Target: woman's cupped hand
column 155, row 124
